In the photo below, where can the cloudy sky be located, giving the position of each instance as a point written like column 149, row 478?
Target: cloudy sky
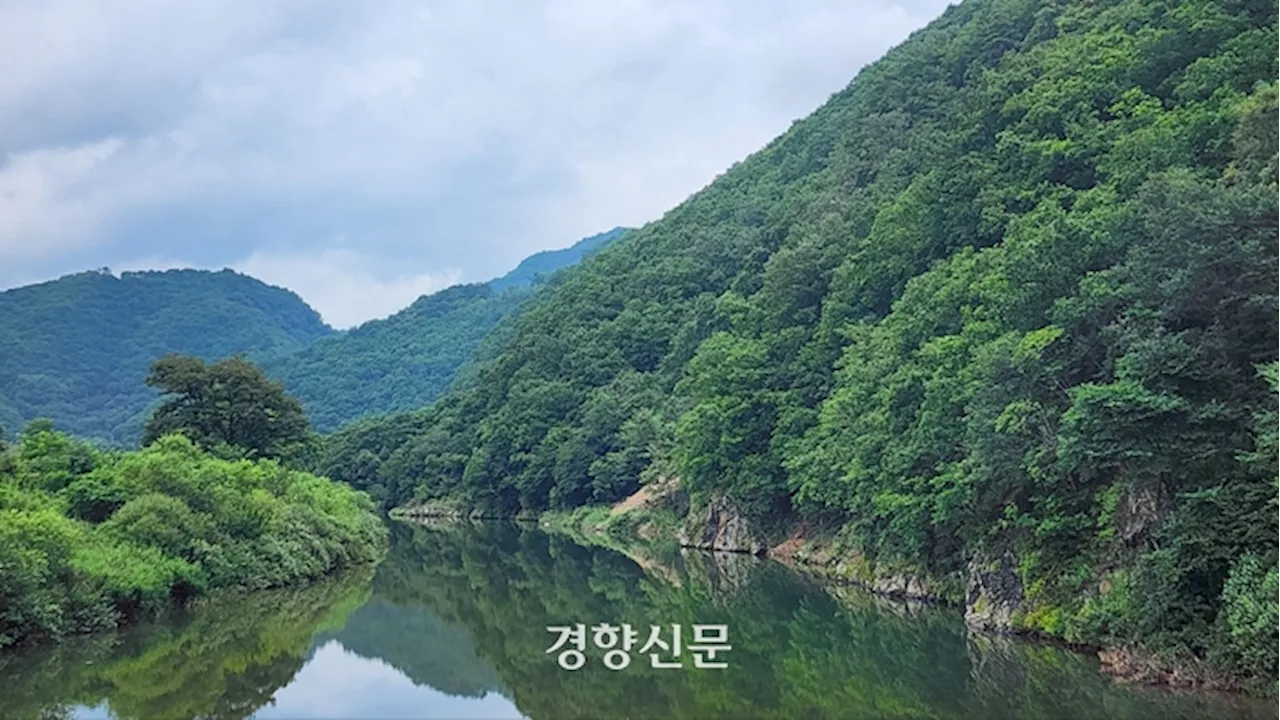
column 363, row 153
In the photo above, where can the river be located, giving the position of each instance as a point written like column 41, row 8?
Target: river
column 453, row 624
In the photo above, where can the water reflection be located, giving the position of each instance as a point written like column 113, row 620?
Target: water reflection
column 799, row 650
column 224, row 659
column 337, row 683
column 453, row 624
column 427, row 650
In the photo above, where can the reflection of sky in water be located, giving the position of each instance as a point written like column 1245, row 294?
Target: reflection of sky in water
column 98, row 712
column 339, row 684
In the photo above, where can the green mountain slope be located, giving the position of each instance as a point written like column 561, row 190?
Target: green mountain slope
column 76, row 349
column 396, row 364
column 1010, row 294
column 407, row 360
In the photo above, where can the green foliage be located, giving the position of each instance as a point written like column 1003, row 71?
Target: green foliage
column 228, row 405
column 396, row 364
column 721, row 441
column 1256, row 134
column 1250, row 615
column 76, row 349
column 90, row 539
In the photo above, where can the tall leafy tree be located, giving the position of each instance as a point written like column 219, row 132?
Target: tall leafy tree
column 226, row 403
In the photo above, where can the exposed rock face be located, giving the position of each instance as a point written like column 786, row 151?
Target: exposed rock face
column 994, row 594
column 720, row 526
column 1140, row 511
column 1131, row 664
column 723, row 573
column 900, row 585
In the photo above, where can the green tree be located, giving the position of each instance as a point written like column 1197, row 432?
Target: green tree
column 226, row 403
column 91, row 539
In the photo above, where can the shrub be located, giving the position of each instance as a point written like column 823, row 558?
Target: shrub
column 1250, row 616
column 85, row 546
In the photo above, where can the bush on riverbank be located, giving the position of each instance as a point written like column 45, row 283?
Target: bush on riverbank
column 90, row 539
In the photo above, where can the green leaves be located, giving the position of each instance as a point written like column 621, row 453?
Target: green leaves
column 167, row 522
column 1254, row 140
column 1249, row 613
column 723, row 440
column 1118, row 426
column 229, row 402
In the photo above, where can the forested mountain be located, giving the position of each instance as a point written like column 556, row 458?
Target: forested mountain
column 1010, row 294
column 409, row 359
column 395, row 364
column 76, row 349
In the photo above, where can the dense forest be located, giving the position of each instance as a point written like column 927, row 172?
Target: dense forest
column 396, row 364
column 1009, row 296
column 91, row 538
column 75, row 350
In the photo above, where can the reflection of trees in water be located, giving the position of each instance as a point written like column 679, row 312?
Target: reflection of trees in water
column 721, row 572
column 224, row 659
column 428, row 650
column 1004, row 668
column 465, row 610
column 798, row 649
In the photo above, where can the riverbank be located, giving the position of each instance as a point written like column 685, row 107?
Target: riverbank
column 989, row 592
column 93, row 540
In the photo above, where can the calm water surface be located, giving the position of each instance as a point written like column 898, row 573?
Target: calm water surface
column 453, row 625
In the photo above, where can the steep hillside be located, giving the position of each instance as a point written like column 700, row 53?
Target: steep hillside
column 409, row 359
column 402, row 362
column 1002, row 310
column 76, row 349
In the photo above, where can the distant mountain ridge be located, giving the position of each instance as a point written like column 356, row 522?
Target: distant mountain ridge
column 76, row 349
column 548, row 261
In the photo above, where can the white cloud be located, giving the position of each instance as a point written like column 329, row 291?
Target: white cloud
column 47, row 197
column 450, row 135
column 339, row 284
